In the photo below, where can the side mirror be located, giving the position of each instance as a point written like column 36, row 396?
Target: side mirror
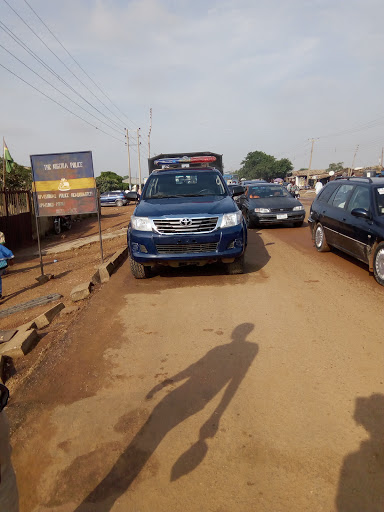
column 360, row 212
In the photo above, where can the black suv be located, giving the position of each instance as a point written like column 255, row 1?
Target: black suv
column 348, row 214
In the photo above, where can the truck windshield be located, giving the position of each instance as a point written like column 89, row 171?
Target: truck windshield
column 184, row 184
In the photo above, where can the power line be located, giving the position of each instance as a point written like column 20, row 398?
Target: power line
column 79, row 65
column 53, row 53
column 21, row 43
column 58, row 103
column 58, row 90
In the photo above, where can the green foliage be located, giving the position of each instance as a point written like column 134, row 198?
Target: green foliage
column 336, row 167
column 259, row 165
column 109, row 181
column 20, row 178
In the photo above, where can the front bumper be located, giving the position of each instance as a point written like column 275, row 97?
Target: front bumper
column 150, row 248
column 271, row 218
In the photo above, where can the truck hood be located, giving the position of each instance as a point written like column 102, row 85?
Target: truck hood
column 181, row 206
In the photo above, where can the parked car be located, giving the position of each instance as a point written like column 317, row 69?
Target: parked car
column 113, row 198
column 348, row 214
column 236, row 191
column 269, row 203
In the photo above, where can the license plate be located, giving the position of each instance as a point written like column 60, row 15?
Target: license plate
column 281, row 216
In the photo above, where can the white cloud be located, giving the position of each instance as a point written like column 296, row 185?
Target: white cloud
column 231, row 76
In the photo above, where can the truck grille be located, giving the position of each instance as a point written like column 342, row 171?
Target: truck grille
column 186, row 248
column 186, row 225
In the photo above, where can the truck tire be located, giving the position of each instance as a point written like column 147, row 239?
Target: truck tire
column 138, row 270
column 237, row 266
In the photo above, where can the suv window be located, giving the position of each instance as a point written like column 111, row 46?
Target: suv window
column 341, row 197
column 379, row 195
column 359, row 199
column 326, row 192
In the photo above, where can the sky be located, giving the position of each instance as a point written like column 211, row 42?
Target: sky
column 228, row 76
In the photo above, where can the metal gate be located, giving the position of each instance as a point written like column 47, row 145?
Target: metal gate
column 16, row 217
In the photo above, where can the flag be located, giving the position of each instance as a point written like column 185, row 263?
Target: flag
column 8, row 159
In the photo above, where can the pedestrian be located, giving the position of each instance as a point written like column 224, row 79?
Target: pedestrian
column 318, row 186
column 289, row 187
column 9, row 499
column 5, row 255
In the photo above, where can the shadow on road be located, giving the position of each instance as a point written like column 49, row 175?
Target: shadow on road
column 361, row 480
column 224, row 365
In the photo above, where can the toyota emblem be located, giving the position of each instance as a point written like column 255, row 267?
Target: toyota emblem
column 186, row 222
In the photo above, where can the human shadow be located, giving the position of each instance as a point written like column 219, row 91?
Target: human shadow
column 361, row 482
column 223, row 366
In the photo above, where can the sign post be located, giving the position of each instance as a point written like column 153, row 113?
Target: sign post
column 64, row 184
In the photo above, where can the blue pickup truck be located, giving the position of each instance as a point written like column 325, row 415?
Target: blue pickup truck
column 186, row 216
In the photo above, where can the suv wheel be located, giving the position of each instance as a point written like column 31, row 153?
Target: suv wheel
column 320, row 240
column 119, row 203
column 237, row 266
column 378, row 264
column 138, row 270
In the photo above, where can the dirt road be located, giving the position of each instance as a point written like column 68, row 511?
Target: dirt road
column 198, row 391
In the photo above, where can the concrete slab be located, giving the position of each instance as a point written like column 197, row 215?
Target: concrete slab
column 106, row 269
column 27, row 326
column 69, row 310
column 22, row 343
column 81, row 291
column 46, row 318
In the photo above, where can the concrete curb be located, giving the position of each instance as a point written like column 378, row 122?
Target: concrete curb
column 81, row 291
column 21, row 344
column 104, row 272
column 47, row 317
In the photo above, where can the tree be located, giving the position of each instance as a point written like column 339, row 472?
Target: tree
column 336, row 167
column 259, row 165
column 109, row 181
column 20, row 177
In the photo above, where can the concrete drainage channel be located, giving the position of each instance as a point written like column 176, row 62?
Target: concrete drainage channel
column 19, row 342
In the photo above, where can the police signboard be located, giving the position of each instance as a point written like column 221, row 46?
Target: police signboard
column 64, row 184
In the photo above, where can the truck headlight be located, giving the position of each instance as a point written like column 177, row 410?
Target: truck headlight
column 141, row 223
column 295, row 208
column 262, row 210
column 231, row 219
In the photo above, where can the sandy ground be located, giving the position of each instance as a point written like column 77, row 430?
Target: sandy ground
column 74, row 266
column 195, row 390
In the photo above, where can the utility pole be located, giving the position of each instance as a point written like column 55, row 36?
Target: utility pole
column 382, row 151
column 310, row 159
column 353, row 161
column 138, row 155
column 149, row 133
column 129, row 160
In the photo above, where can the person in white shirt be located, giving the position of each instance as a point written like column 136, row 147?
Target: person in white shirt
column 318, row 186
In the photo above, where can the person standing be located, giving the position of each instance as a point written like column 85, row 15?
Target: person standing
column 5, row 255
column 318, row 187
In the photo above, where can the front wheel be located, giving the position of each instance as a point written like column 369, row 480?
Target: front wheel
column 378, row 264
column 119, row 203
column 249, row 222
column 237, row 266
column 138, row 270
column 320, row 240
